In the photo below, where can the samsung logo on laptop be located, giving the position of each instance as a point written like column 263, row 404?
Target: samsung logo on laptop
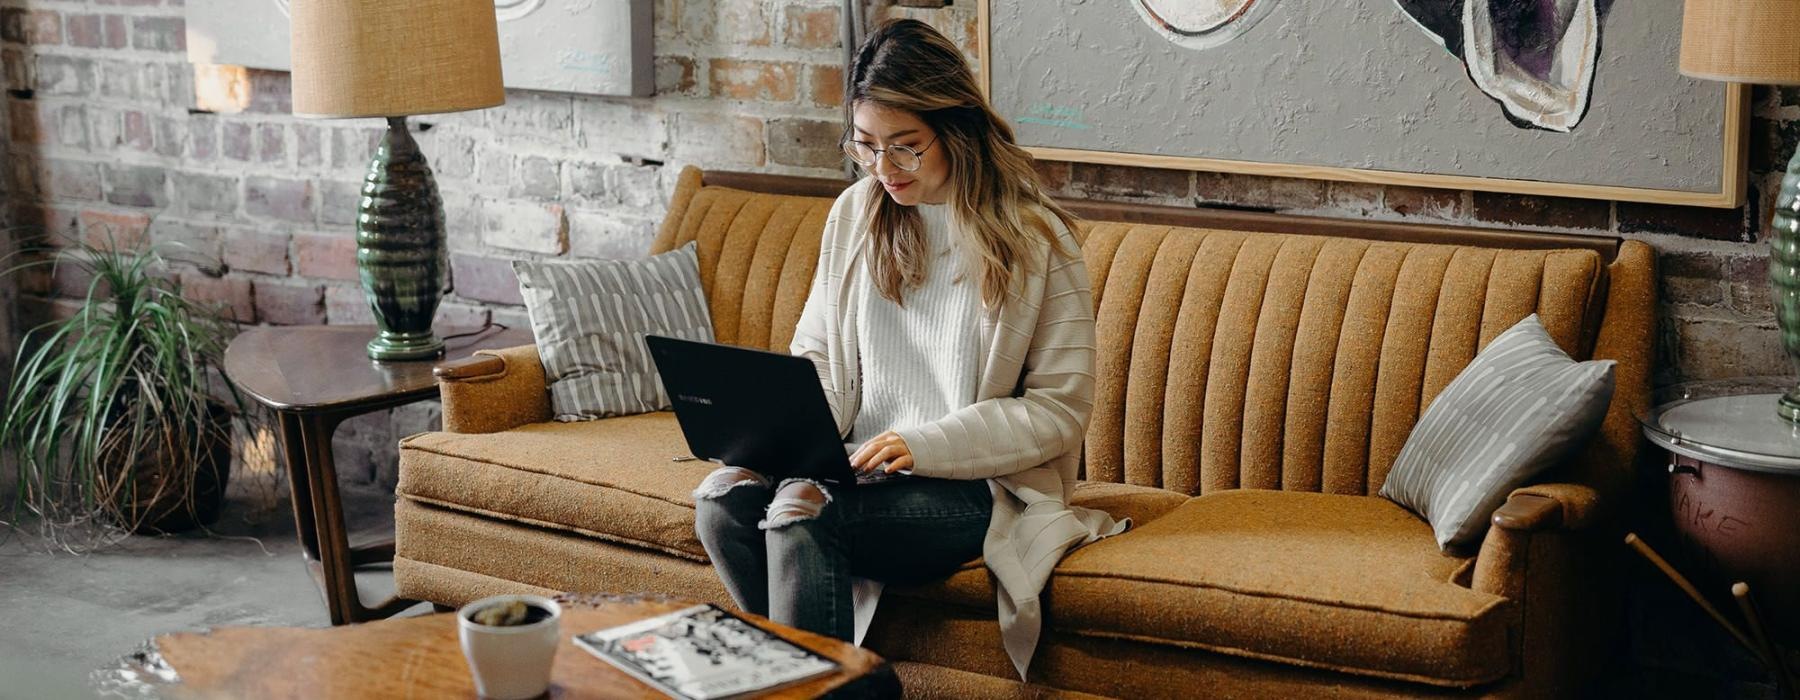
column 690, row 398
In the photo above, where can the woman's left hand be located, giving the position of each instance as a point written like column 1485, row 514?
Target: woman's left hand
column 885, row 452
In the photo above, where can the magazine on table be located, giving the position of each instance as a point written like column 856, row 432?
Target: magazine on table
column 704, row 652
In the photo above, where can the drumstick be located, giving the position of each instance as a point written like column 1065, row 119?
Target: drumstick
column 1784, row 682
column 1681, row 582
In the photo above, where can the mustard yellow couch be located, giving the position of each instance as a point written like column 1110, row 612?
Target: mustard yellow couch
column 1253, row 391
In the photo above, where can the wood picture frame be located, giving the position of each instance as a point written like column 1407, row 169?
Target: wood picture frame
column 1729, row 192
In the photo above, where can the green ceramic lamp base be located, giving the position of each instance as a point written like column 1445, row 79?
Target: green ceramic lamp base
column 400, row 252
column 391, row 346
column 1784, row 276
column 1789, row 405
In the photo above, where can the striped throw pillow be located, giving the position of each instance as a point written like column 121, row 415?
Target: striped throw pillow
column 590, row 319
column 1521, row 406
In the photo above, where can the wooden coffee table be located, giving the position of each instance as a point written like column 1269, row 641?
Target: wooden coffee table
column 421, row 657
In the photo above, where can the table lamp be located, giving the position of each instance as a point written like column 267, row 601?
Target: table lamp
column 1752, row 41
column 391, row 59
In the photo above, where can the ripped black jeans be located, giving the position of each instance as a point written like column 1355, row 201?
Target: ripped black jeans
column 787, row 551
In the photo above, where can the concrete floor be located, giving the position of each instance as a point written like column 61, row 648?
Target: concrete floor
column 62, row 616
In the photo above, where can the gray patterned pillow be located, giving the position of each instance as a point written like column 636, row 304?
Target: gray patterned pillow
column 590, row 319
column 1520, row 407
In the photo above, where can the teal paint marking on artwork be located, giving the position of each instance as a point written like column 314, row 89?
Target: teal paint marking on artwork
column 585, row 61
column 1063, row 123
column 1053, row 115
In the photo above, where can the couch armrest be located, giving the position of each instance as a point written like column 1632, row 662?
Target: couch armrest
column 494, row 390
column 476, row 366
column 1529, row 513
column 1548, row 506
column 1551, row 555
column 1541, row 509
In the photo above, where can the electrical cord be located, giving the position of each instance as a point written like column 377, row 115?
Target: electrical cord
column 485, row 327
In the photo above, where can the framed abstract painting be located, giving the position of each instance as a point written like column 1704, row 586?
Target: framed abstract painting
column 1572, row 98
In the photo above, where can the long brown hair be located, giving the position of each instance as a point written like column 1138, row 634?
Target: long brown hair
column 905, row 64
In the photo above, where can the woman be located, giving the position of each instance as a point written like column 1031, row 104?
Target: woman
column 953, row 330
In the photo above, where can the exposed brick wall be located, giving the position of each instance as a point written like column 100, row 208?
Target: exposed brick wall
column 104, row 141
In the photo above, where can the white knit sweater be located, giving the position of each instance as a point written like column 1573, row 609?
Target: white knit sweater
column 921, row 355
column 1024, row 431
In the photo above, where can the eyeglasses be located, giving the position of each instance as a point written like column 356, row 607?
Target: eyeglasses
column 902, row 157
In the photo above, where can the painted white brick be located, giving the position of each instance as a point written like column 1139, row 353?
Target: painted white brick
column 543, row 116
column 610, row 234
column 634, row 129
column 636, row 186
column 533, row 228
column 719, row 140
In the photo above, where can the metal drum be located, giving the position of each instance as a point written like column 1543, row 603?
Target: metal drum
column 1734, row 488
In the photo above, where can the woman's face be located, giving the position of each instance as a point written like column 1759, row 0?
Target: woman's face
column 886, row 127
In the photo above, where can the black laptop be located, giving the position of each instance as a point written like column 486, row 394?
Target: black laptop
column 759, row 410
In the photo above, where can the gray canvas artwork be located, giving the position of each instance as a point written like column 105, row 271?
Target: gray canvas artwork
column 250, row 33
column 1564, row 91
column 596, row 47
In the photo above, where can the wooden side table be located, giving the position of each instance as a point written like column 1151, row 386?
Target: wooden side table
column 1734, row 499
column 316, row 377
column 1734, row 485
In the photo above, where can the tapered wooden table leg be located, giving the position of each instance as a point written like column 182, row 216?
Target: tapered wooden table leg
column 293, row 449
column 315, row 378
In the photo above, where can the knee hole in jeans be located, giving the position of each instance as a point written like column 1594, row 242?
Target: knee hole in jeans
column 796, row 500
column 724, row 479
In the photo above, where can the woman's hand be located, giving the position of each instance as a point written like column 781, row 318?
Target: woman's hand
column 885, row 452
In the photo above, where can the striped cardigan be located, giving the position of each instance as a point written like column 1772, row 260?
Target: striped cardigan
column 1024, row 431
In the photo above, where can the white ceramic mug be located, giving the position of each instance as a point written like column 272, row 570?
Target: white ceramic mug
column 510, row 663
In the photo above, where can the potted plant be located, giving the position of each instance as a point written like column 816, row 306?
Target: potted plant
column 112, row 414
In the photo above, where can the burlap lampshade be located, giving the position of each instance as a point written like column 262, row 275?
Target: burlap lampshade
column 386, row 58
column 1741, row 41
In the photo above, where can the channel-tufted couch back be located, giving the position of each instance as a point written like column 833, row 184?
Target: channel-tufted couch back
column 1231, row 359
column 1295, row 362
column 757, row 254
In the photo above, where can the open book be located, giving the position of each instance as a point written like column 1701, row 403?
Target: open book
column 704, row 652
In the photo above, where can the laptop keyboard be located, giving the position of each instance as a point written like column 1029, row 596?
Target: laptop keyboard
column 879, row 477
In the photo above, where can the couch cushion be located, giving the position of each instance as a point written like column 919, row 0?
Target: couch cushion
column 945, row 636
column 1350, row 583
column 1140, row 503
column 971, row 587
column 431, row 540
column 612, row 479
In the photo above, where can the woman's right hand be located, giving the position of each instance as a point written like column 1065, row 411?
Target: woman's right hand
column 885, row 452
